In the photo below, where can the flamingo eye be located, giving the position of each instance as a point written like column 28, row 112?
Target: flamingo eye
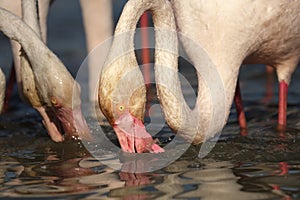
column 121, row 108
column 53, row 101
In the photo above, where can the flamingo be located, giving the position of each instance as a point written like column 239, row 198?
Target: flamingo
column 58, row 93
column 28, row 85
column 16, row 8
column 25, row 77
column 123, row 111
column 231, row 33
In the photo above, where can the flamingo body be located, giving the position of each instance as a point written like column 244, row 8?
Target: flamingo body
column 230, row 33
column 237, row 32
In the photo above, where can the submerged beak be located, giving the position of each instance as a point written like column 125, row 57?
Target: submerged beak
column 133, row 136
column 51, row 123
column 74, row 124
column 68, row 123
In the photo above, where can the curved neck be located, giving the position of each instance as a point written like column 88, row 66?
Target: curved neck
column 133, row 10
column 30, row 14
column 15, row 29
column 161, row 10
column 176, row 111
column 208, row 116
column 52, row 77
column 191, row 124
column 121, row 64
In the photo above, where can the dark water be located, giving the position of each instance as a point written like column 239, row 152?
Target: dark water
column 265, row 164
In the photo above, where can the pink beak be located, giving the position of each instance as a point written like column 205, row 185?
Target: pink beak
column 133, row 136
column 66, row 123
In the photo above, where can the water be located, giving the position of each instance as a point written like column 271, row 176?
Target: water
column 265, row 164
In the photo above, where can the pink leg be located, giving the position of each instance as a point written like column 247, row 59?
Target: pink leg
column 240, row 110
column 144, row 23
column 145, row 44
column 284, row 167
column 283, row 91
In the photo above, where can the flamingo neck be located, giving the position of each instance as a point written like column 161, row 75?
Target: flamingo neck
column 42, row 60
column 30, row 15
column 121, row 64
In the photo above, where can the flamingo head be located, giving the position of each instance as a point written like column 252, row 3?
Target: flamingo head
column 70, row 120
column 125, row 114
column 66, row 120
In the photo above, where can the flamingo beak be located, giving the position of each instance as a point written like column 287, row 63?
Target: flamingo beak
column 133, row 136
column 73, row 123
column 51, row 123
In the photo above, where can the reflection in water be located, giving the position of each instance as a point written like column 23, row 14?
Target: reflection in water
column 238, row 168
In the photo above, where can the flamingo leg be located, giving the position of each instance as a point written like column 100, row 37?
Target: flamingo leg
column 284, row 168
column 145, row 47
column 240, row 110
column 144, row 23
column 283, row 91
